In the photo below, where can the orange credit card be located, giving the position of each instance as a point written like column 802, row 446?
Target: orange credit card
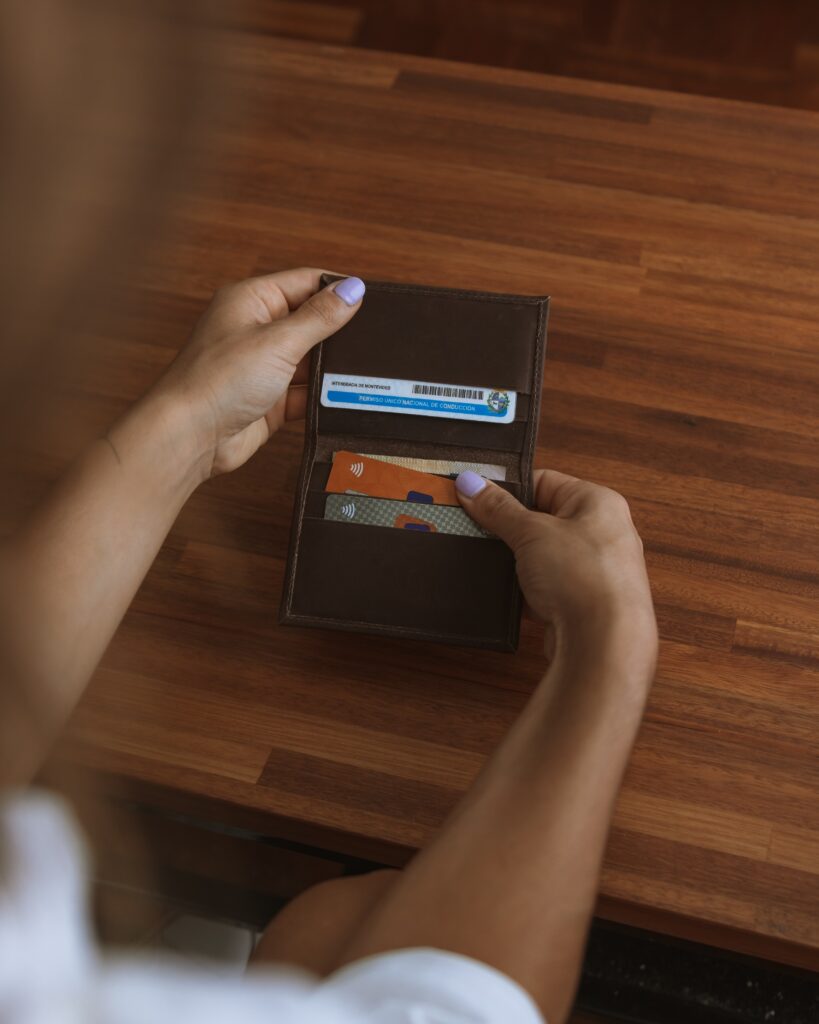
column 357, row 474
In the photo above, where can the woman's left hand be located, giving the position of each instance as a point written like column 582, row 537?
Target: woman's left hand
column 242, row 374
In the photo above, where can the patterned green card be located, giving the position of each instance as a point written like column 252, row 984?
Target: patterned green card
column 406, row 515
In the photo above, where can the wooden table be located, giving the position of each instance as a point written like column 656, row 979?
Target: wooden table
column 679, row 239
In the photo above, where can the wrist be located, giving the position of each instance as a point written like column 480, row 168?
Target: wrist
column 158, row 434
column 612, row 639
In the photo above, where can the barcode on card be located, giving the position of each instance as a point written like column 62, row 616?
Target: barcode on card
column 443, row 391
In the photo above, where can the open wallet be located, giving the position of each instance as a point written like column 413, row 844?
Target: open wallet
column 420, row 376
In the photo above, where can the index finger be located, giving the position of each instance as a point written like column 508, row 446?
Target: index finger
column 296, row 285
column 266, row 298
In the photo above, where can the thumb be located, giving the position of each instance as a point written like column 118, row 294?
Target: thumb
column 318, row 317
column 493, row 508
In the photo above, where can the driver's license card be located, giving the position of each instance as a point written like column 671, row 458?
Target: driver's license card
column 418, row 398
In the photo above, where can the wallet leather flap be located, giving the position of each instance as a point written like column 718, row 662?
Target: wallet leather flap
column 441, row 336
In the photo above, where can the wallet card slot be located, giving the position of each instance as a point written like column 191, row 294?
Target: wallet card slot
column 320, row 473
column 327, row 444
column 523, row 404
column 445, row 586
column 316, row 496
column 463, row 434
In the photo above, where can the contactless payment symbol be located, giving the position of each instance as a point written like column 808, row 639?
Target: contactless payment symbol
column 348, row 510
column 498, row 401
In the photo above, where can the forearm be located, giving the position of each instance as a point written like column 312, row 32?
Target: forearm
column 512, row 877
column 71, row 572
column 69, row 576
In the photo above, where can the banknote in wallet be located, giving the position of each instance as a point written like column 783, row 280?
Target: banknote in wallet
column 444, row 467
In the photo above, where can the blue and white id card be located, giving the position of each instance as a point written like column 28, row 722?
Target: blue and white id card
column 417, row 398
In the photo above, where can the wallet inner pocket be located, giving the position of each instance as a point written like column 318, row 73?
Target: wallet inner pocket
column 326, row 445
column 458, row 587
column 320, row 471
column 316, row 496
column 419, row 430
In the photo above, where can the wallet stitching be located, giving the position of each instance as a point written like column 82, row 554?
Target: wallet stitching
column 460, row 293
column 529, row 451
column 457, row 293
column 537, row 386
column 309, row 460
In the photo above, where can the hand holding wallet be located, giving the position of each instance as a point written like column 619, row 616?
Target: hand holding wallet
column 370, row 392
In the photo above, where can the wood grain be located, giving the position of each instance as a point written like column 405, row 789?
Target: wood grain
column 765, row 51
column 679, row 238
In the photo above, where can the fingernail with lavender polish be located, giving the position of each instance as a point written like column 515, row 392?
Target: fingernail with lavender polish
column 350, row 290
column 469, row 483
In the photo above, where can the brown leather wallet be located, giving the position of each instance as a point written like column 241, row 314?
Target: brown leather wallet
column 404, row 583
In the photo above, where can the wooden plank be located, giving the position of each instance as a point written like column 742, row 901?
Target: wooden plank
column 760, row 52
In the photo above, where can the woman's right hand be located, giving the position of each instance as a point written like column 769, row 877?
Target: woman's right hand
column 579, row 557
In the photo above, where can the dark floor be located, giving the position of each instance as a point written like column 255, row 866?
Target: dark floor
column 765, row 51
column 632, row 975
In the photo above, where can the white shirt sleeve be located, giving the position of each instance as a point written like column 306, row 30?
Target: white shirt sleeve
column 429, row 986
column 51, row 972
